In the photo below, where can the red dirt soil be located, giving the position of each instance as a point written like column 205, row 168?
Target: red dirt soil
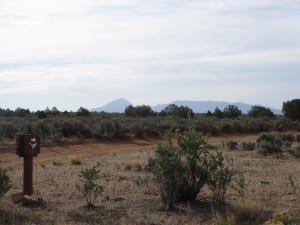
column 49, row 153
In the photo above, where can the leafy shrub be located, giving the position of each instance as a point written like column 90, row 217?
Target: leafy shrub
column 133, row 165
column 57, row 163
column 75, row 161
column 248, row 146
column 184, row 169
column 285, row 219
column 287, row 137
column 168, row 172
column 232, row 145
column 240, row 183
column 89, row 189
column 194, row 158
column 220, row 176
column 4, row 182
column 269, row 143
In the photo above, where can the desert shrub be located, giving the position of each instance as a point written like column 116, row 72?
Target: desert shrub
column 195, row 161
column 57, row 163
column 248, row 146
column 57, row 137
column 88, row 188
column 8, row 129
column 240, row 183
column 75, row 161
column 220, row 176
column 268, row 143
column 168, row 172
column 232, row 145
column 285, row 219
column 5, row 184
column 287, row 137
column 187, row 167
column 133, row 165
column 42, row 129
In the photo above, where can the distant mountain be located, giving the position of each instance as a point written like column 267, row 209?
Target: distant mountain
column 204, row 106
column 117, row 106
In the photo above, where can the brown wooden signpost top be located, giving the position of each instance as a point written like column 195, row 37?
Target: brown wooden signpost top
column 28, row 146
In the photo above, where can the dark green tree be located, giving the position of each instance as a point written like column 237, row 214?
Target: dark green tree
column 218, row 113
column 82, row 112
column 22, row 112
column 291, row 109
column 260, row 111
column 231, row 111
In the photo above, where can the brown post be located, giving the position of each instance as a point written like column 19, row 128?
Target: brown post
column 28, row 146
column 27, row 178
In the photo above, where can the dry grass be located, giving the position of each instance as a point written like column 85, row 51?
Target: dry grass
column 131, row 196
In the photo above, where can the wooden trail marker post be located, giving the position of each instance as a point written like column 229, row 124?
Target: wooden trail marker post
column 28, row 146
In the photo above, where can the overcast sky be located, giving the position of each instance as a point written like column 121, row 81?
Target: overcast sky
column 72, row 53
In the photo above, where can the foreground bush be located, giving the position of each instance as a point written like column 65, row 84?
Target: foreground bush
column 184, row 169
column 4, row 182
column 232, row 145
column 168, row 172
column 248, row 146
column 269, row 143
column 88, row 188
column 195, row 160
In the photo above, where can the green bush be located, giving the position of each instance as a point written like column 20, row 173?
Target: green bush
column 168, row 172
column 75, row 161
column 220, row 176
column 269, row 143
column 184, row 169
column 88, row 188
column 287, row 137
column 232, row 145
column 298, row 138
column 248, row 146
column 194, row 157
column 5, row 184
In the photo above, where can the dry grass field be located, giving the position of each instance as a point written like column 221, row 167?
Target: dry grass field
column 130, row 194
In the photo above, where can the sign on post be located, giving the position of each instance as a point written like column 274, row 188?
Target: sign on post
column 28, row 146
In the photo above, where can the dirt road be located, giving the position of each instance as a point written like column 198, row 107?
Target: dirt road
column 9, row 159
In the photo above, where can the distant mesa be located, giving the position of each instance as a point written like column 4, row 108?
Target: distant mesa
column 119, row 106
column 204, row 106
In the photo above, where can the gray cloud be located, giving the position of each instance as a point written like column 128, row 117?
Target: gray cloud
column 91, row 52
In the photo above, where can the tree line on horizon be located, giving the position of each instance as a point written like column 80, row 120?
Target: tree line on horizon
column 140, row 121
column 290, row 109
